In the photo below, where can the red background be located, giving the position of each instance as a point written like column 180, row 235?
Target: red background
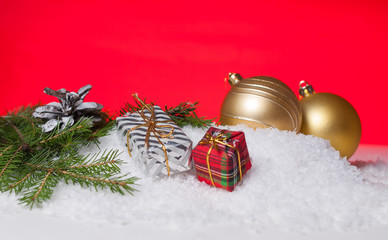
column 172, row 52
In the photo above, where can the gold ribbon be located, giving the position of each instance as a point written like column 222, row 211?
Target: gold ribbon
column 214, row 141
column 151, row 123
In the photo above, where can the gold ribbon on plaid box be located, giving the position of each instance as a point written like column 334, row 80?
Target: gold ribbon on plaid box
column 221, row 138
column 153, row 126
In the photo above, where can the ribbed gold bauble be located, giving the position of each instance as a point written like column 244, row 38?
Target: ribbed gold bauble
column 261, row 102
column 331, row 117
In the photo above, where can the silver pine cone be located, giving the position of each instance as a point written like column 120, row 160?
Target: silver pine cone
column 68, row 110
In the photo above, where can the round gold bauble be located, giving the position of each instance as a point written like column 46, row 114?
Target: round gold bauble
column 331, row 117
column 261, row 102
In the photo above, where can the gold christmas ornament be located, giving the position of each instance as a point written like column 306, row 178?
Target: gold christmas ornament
column 261, row 102
column 331, row 117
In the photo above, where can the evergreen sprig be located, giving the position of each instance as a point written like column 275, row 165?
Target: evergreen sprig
column 183, row 114
column 32, row 163
column 130, row 108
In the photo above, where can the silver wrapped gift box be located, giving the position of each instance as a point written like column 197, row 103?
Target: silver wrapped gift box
column 158, row 145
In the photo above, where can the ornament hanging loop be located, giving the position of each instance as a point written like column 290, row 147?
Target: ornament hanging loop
column 234, row 78
column 305, row 89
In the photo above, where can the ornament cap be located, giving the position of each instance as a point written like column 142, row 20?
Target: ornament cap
column 305, row 89
column 234, row 78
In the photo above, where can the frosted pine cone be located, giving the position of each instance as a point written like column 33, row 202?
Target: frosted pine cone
column 68, row 110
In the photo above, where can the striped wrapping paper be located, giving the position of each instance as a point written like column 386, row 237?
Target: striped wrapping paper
column 223, row 162
column 152, row 160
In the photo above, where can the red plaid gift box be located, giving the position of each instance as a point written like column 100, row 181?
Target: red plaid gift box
column 221, row 158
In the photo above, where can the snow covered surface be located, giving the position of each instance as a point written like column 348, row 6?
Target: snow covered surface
column 298, row 186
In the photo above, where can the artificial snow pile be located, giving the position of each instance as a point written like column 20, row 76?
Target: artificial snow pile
column 297, row 183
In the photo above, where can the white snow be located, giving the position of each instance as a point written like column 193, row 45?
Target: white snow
column 297, row 183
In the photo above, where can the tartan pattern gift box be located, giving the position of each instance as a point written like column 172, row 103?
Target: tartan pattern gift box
column 221, row 158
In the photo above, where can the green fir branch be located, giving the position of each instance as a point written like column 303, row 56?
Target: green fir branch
column 99, row 132
column 130, row 108
column 40, row 190
column 185, row 114
column 32, row 163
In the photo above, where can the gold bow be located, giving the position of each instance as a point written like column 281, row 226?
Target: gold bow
column 214, row 141
column 151, row 123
